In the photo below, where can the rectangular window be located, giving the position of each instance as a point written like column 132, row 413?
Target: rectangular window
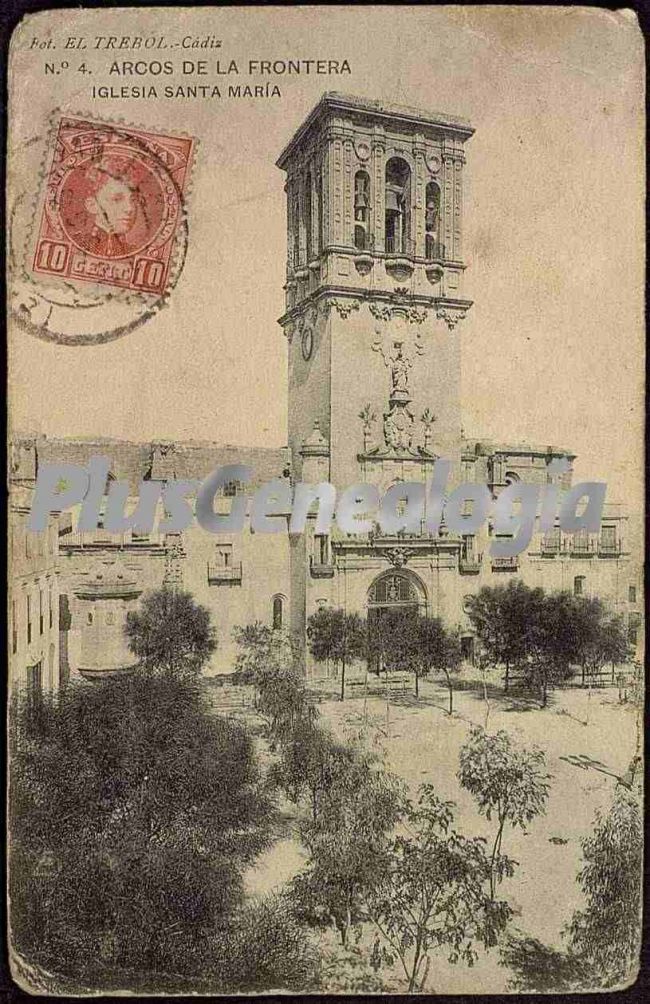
column 580, row 542
column 49, row 608
column 28, row 544
column 467, row 548
column 41, row 612
column 29, row 620
column 608, row 543
column 632, row 594
column 14, row 627
column 322, row 549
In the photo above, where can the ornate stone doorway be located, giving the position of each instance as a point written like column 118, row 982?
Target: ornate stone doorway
column 393, row 591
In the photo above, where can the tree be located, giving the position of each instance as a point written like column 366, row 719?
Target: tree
column 335, row 634
column 438, row 651
column 433, row 893
column 134, row 811
column 607, row 933
column 502, row 617
column 600, row 637
column 505, row 781
column 171, row 633
column 268, row 659
column 553, row 645
column 347, row 843
column 392, row 640
column 262, row 651
column 405, row 640
column 311, row 760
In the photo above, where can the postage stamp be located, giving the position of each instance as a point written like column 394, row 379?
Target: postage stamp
column 113, row 205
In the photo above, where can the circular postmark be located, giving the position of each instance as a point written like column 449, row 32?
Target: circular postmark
column 107, row 241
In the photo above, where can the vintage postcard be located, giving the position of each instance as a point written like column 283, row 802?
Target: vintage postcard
column 326, row 410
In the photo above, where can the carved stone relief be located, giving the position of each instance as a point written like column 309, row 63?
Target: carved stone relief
column 343, row 307
column 398, row 556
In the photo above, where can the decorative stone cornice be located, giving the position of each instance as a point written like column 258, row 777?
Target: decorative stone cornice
column 385, row 311
column 383, row 306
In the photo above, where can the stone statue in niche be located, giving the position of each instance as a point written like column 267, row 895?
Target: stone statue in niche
column 399, row 372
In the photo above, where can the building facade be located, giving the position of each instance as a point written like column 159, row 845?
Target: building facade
column 34, row 657
column 374, row 300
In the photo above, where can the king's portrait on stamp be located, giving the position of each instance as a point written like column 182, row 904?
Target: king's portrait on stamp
column 114, row 199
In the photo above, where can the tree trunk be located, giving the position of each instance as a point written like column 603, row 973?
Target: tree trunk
column 387, row 704
column 417, row 684
column 451, row 691
column 544, row 690
column 416, row 966
column 343, row 679
column 495, row 850
column 507, row 678
column 365, row 696
column 423, row 981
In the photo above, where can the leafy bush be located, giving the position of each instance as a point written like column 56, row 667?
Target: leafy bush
column 134, row 811
column 269, row 660
column 266, row 948
column 607, row 934
column 539, row 968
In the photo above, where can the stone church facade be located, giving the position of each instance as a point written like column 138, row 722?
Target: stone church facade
column 374, row 304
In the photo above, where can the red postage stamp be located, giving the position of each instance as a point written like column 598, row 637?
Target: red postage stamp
column 113, row 205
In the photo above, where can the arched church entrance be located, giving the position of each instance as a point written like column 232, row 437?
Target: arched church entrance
column 392, row 592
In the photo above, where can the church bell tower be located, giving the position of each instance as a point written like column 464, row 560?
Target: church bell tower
column 374, row 293
column 374, row 285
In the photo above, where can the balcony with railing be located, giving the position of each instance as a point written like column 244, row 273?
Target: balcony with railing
column 505, row 564
column 218, row 572
column 102, row 539
column 551, row 545
column 321, row 569
column 580, row 545
column 608, row 548
column 470, row 564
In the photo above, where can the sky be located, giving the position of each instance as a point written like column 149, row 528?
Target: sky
column 552, row 348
